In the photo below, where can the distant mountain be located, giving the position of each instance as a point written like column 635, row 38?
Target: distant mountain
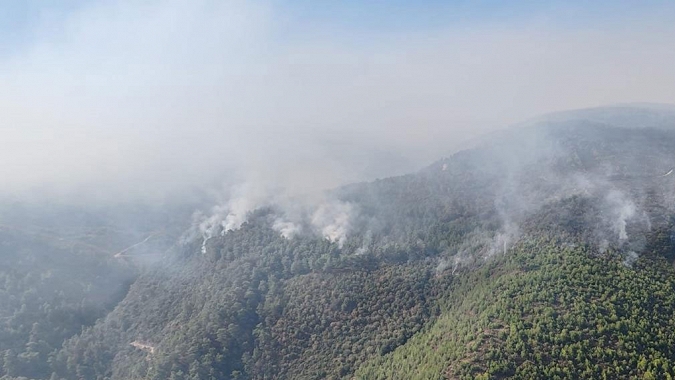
column 544, row 251
column 631, row 115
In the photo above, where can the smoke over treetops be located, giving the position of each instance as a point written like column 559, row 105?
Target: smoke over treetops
column 270, row 189
column 610, row 185
column 259, row 106
column 116, row 100
column 322, row 213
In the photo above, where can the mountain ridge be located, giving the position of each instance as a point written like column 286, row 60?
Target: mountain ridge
column 560, row 216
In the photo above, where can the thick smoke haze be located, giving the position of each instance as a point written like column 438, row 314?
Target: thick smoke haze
column 143, row 100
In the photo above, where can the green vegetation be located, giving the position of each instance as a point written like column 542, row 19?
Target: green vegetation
column 547, row 310
column 330, row 322
column 551, row 261
column 48, row 291
column 58, row 275
column 257, row 307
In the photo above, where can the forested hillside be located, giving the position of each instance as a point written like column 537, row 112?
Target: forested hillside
column 545, row 251
column 547, row 310
column 59, row 272
column 47, row 293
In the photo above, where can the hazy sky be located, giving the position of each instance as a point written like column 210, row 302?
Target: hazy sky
column 144, row 98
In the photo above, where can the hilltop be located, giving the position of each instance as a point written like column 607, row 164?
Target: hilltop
column 543, row 251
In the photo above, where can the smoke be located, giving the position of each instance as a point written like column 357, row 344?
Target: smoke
column 319, row 213
column 245, row 198
column 287, row 229
column 630, row 259
column 623, row 210
column 126, row 100
column 229, row 214
column 333, row 220
column 504, row 239
column 572, row 176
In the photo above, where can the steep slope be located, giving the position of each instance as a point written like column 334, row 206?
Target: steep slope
column 59, row 273
column 252, row 310
column 48, row 291
column 508, row 259
column 547, row 310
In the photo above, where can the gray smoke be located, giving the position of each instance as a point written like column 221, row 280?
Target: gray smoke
column 318, row 213
column 147, row 100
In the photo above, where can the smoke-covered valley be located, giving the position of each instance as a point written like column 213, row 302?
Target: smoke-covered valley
column 260, row 284
column 212, row 287
column 112, row 101
column 605, row 157
column 273, row 190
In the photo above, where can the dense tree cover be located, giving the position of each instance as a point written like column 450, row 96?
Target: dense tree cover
column 428, row 284
column 547, row 310
column 58, row 273
column 257, row 306
column 333, row 321
column 48, row 291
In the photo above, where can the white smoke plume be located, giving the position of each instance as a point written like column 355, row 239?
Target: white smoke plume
column 630, row 259
column 504, row 239
column 292, row 215
column 623, row 210
column 227, row 215
column 238, row 210
column 209, row 225
column 333, row 220
column 286, row 228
